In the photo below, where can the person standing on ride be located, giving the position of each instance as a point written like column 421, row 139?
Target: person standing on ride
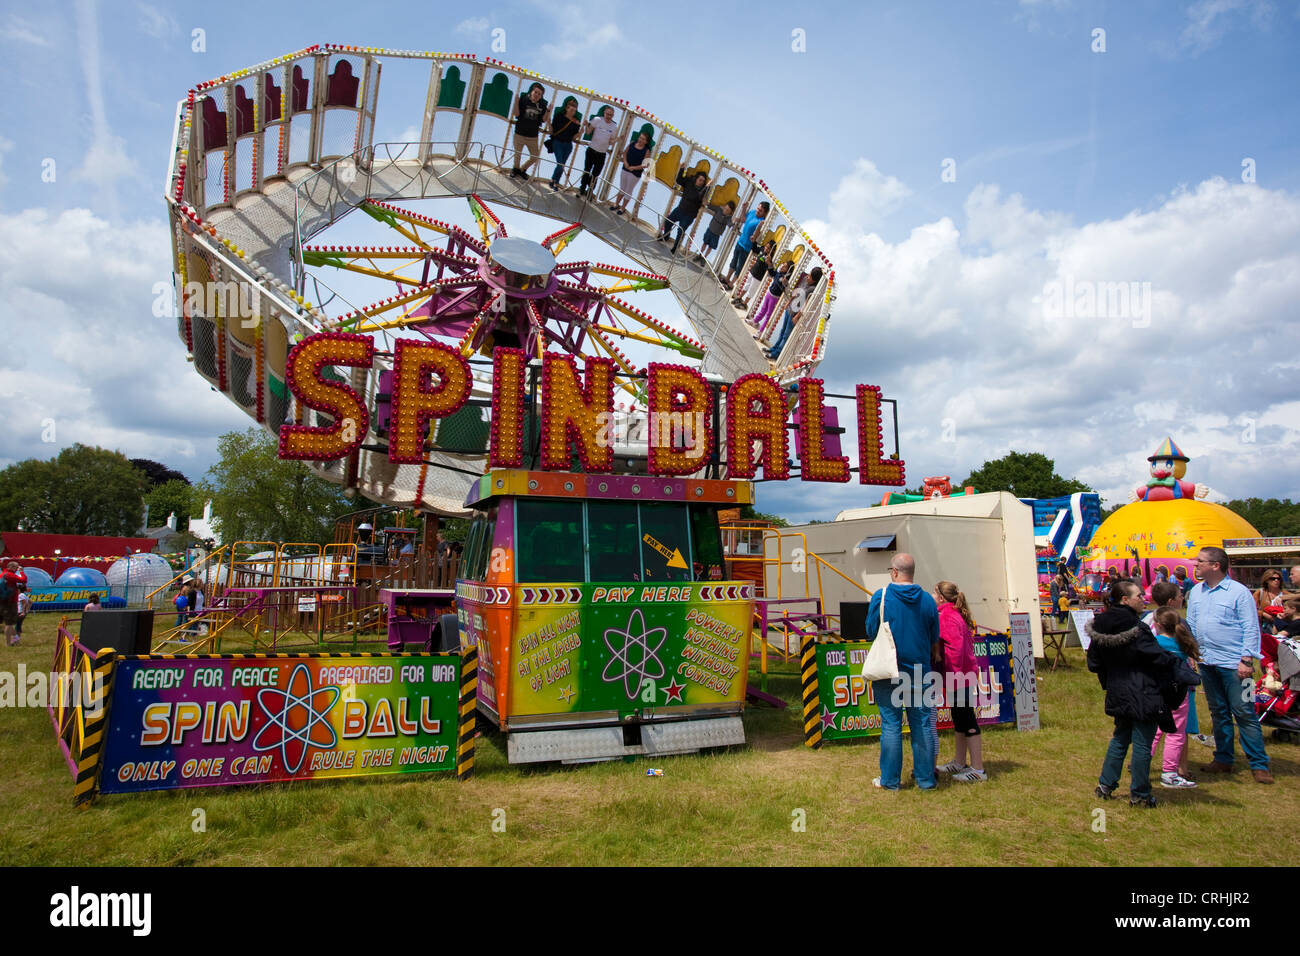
column 1131, row 668
column 1172, row 634
column 961, row 682
column 744, row 242
column 762, row 262
column 722, row 218
column 635, row 159
column 914, row 620
column 530, row 112
column 1225, row 622
column 603, row 129
column 563, row 132
column 694, row 188
column 794, row 310
column 775, row 289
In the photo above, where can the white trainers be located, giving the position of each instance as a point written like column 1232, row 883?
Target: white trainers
column 970, row 775
column 1176, row 781
column 951, row 766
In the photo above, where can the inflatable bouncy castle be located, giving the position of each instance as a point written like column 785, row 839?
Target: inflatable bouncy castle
column 1166, row 525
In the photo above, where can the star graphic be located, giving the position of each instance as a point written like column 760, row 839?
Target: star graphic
column 647, row 664
column 674, row 691
column 293, row 713
column 828, row 718
column 568, row 693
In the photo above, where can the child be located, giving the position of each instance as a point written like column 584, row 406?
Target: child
column 961, row 683
column 1173, row 635
column 762, row 262
column 24, row 606
column 92, row 604
column 722, row 218
column 775, row 290
column 1168, row 594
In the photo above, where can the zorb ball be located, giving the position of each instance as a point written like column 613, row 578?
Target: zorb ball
column 142, row 573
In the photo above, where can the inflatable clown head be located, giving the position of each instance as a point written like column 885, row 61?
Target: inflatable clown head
column 1168, row 462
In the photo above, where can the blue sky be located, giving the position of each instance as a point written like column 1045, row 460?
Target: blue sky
column 1071, row 164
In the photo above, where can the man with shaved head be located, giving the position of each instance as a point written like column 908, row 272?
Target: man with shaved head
column 914, row 621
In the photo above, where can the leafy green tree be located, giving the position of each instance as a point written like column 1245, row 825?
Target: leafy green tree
column 1273, row 518
column 747, row 513
column 171, row 497
column 257, row 496
column 82, row 490
column 1025, row 475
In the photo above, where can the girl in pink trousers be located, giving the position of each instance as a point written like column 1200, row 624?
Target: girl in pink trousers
column 1174, row 636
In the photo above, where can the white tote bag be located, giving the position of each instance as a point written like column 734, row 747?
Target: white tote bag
column 882, row 659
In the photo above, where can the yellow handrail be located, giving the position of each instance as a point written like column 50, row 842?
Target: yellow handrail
column 191, row 571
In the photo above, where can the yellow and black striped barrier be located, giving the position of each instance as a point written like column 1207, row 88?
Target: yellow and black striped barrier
column 468, row 709
column 812, row 722
column 92, row 728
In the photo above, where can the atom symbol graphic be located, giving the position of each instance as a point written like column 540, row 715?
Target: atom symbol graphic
column 646, row 666
column 293, row 712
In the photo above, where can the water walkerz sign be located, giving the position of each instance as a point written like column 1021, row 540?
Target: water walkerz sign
column 240, row 719
column 845, row 705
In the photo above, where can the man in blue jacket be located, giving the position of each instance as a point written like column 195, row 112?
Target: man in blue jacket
column 914, row 621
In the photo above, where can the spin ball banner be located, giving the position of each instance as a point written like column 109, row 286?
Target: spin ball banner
column 243, row 719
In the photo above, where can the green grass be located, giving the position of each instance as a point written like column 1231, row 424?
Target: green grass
column 728, row 807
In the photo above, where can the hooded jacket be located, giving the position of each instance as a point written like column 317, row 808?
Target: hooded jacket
column 913, row 619
column 1133, row 669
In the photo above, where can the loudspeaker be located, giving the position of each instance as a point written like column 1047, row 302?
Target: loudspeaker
column 853, row 620
column 126, row 630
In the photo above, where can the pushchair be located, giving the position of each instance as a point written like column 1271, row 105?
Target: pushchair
column 1277, row 693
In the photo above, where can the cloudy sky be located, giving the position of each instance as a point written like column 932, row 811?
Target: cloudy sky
column 1058, row 225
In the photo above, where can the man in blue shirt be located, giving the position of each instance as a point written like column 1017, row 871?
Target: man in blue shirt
column 1225, row 621
column 914, row 621
column 745, row 242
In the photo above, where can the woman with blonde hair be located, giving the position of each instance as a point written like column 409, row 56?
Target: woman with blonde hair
column 961, row 682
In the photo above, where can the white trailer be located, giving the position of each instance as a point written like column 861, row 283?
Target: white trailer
column 983, row 543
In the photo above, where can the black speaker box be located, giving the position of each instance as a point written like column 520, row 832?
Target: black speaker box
column 126, row 630
column 853, row 620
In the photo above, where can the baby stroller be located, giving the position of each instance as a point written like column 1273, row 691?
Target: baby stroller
column 1277, row 693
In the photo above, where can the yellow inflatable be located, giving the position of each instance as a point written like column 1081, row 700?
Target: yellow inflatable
column 1164, row 533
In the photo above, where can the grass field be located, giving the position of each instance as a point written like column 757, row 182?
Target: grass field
column 739, row 806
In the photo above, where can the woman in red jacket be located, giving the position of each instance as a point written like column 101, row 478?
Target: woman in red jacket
column 961, row 682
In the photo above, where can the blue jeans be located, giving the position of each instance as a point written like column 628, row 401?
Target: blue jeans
column 787, row 326
column 891, row 736
column 562, row 150
column 1141, row 734
column 1230, row 697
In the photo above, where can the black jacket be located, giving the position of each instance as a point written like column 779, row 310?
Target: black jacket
column 1133, row 669
column 692, row 195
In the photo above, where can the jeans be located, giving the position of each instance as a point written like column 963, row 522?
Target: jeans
column 787, row 326
column 1231, row 697
column 592, row 164
column 562, row 149
column 891, row 736
column 1139, row 733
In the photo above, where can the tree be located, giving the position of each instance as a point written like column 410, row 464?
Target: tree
column 257, row 496
column 82, row 490
column 1025, row 475
column 1272, row 518
column 157, row 472
column 171, row 497
column 747, row 513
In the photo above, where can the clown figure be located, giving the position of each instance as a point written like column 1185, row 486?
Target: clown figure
column 1168, row 465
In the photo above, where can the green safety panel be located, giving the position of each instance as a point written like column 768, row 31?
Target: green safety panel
column 496, row 98
column 464, row 432
column 451, row 92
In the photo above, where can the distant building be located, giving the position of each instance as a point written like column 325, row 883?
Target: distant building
column 202, row 528
column 168, row 539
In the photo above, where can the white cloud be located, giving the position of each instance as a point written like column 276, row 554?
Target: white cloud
column 156, row 23
column 578, row 41
column 87, row 352
column 1209, row 20
column 106, row 160
column 866, row 196
column 24, row 31
column 950, row 321
column 5, row 146
column 474, row 26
